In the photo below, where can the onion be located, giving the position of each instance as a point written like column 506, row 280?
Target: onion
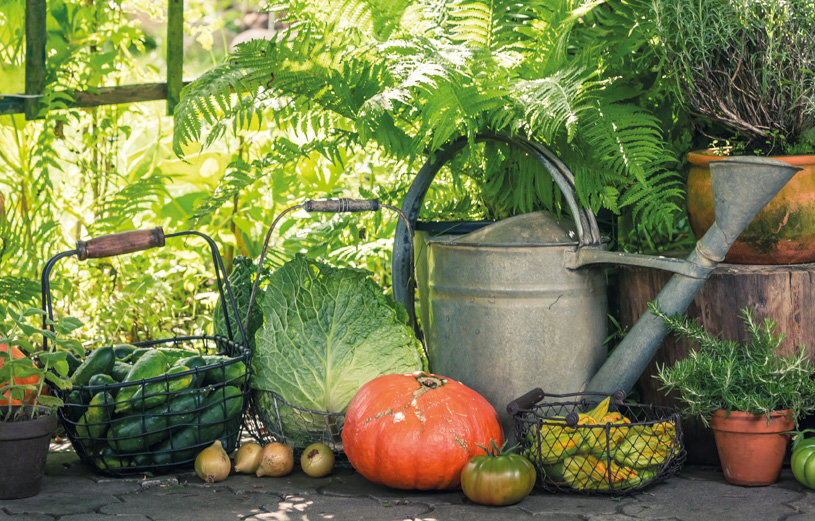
column 317, row 460
column 247, row 459
column 276, row 460
column 212, row 464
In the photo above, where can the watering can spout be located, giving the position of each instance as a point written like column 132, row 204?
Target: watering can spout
column 742, row 187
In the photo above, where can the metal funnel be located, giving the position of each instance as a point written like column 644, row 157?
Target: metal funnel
column 742, row 187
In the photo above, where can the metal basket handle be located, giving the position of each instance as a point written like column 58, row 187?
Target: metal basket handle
column 332, row 206
column 587, row 230
column 130, row 242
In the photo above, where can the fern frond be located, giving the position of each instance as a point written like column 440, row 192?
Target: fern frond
column 118, row 210
column 554, row 104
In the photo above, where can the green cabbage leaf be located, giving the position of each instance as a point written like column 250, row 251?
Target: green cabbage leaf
column 326, row 332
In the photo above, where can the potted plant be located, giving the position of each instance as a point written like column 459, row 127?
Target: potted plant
column 745, row 69
column 28, row 416
column 749, row 395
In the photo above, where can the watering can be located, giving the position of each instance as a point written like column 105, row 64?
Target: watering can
column 521, row 304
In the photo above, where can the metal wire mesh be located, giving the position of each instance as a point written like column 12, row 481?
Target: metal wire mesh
column 271, row 418
column 632, row 447
column 167, row 419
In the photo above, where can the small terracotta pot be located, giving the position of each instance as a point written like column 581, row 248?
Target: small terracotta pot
column 751, row 450
column 782, row 233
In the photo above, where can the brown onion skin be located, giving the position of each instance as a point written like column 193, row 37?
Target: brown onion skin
column 276, row 460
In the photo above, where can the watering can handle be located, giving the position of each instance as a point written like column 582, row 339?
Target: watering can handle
column 401, row 266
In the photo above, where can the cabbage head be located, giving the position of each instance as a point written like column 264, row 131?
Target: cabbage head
column 326, row 332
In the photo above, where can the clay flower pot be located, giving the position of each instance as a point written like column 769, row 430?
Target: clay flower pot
column 782, row 233
column 751, row 451
column 23, row 451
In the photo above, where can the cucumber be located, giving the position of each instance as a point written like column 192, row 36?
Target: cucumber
column 99, row 361
column 123, row 351
column 152, row 394
column 171, row 353
column 73, row 362
column 137, row 432
column 120, row 370
column 222, row 407
column 98, row 380
column 151, row 364
column 95, row 421
column 231, row 374
column 194, row 362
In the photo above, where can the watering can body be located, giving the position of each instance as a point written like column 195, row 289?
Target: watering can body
column 512, row 309
column 504, row 317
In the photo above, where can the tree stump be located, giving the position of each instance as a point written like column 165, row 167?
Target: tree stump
column 784, row 293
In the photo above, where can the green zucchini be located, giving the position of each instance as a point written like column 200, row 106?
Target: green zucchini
column 99, row 361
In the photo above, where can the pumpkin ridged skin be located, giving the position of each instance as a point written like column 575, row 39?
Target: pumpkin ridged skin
column 417, row 430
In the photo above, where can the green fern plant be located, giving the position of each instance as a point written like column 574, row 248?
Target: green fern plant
column 408, row 77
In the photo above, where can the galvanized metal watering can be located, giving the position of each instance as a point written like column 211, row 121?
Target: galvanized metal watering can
column 522, row 303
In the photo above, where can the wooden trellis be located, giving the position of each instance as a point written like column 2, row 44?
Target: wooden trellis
column 29, row 103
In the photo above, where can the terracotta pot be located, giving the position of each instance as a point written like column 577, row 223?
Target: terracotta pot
column 782, row 233
column 751, row 450
column 23, row 451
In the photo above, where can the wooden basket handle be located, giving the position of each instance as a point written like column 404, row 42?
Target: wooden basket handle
column 120, row 243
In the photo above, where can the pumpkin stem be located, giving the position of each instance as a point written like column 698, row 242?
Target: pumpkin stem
column 427, row 382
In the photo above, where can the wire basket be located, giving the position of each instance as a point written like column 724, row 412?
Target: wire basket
column 582, row 443
column 271, row 417
column 158, row 423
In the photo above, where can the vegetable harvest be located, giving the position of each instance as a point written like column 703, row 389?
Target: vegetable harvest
column 499, row 478
column 602, row 451
column 325, row 332
column 802, row 460
column 417, row 431
column 140, row 407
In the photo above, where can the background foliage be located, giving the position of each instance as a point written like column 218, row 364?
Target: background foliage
column 363, row 92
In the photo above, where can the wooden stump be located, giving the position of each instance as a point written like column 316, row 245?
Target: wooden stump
column 784, row 293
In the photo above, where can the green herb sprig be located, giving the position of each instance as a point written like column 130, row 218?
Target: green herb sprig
column 747, row 376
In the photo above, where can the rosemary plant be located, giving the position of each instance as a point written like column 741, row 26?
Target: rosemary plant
column 745, row 376
column 745, row 65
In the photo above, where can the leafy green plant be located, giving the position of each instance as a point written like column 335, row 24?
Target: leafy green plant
column 747, row 66
column 408, row 77
column 745, row 376
column 33, row 363
column 325, row 332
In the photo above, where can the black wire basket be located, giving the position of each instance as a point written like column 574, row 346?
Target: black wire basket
column 158, row 423
column 584, row 443
column 271, row 417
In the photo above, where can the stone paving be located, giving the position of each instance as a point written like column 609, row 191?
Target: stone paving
column 72, row 493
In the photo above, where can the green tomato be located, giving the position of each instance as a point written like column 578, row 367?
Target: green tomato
column 497, row 479
column 803, row 462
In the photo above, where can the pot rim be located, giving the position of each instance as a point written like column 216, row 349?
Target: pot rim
column 701, row 158
column 740, row 421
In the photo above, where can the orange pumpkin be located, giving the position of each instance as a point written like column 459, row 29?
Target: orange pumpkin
column 30, row 380
column 417, row 431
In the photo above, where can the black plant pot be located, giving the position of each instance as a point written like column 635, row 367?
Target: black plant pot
column 23, row 451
